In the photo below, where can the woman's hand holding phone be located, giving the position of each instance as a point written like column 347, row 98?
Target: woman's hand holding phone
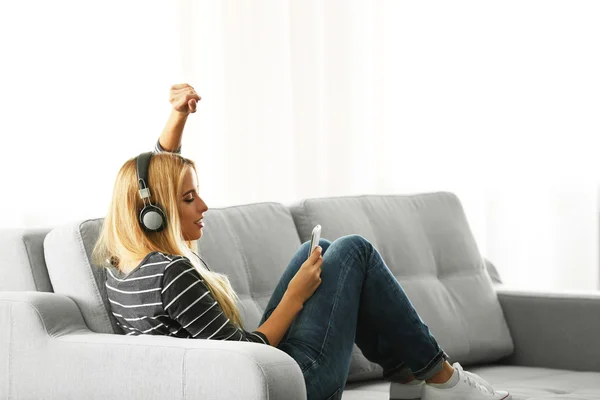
column 307, row 279
column 315, row 237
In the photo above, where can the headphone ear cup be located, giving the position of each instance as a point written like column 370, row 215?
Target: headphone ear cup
column 153, row 218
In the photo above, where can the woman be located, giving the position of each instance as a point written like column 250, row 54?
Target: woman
column 157, row 285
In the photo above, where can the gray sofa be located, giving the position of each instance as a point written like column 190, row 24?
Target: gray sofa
column 58, row 340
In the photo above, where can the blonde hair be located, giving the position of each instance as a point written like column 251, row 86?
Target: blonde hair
column 122, row 240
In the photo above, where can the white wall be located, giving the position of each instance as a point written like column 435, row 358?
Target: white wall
column 496, row 101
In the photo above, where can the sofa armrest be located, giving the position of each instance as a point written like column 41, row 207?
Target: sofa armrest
column 553, row 330
column 53, row 355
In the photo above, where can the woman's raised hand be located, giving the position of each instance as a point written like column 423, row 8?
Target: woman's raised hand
column 184, row 98
column 308, row 278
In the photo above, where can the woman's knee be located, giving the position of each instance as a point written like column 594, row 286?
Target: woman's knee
column 349, row 243
column 356, row 246
column 354, row 241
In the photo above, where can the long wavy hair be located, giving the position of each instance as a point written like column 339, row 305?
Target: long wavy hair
column 122, row 240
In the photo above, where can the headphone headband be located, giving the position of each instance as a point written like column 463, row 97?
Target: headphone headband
column 141, row 165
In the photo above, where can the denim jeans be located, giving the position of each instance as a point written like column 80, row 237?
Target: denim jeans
column 359, row 301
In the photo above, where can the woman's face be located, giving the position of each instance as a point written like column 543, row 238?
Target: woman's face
column 191, row 207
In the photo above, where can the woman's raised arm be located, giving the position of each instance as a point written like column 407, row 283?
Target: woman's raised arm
column 184, row 99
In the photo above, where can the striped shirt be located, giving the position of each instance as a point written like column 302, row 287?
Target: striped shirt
column 166, row 295
column 159, row 149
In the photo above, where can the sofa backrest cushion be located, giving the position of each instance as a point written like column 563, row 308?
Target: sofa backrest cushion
column 426, row 242
column 251, row 244
column 22, row 263
column 68, row 250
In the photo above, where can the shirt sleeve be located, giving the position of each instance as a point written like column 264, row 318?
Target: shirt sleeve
column 187, row 299
column 159, row 149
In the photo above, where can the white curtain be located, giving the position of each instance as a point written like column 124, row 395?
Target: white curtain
column 496, row 102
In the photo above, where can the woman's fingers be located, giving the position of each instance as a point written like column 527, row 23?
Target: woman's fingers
column 316, row 253
column 186, row 103
column 191, row 96
column 180, row 86
column 174, row 96
column 179, row 92
column 181, row 103
column 181, row 96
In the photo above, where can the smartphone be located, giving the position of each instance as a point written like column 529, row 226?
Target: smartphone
column 314, row 239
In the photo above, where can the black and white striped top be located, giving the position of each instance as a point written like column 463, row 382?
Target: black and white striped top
column 159, row 149
column 166, row 295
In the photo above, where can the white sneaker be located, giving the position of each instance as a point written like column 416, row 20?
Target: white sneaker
column 404, row 391
column 469, row 387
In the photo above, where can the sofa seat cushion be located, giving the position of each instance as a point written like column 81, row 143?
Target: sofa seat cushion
column 426, row 242
column 523, row 383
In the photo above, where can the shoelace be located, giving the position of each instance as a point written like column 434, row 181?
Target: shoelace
column 474, row 380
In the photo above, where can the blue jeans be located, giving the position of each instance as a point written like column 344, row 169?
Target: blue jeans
column 359, row 301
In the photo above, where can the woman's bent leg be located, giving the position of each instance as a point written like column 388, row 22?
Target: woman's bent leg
column 322, row 336
column 359, row 300
column 390, row 332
